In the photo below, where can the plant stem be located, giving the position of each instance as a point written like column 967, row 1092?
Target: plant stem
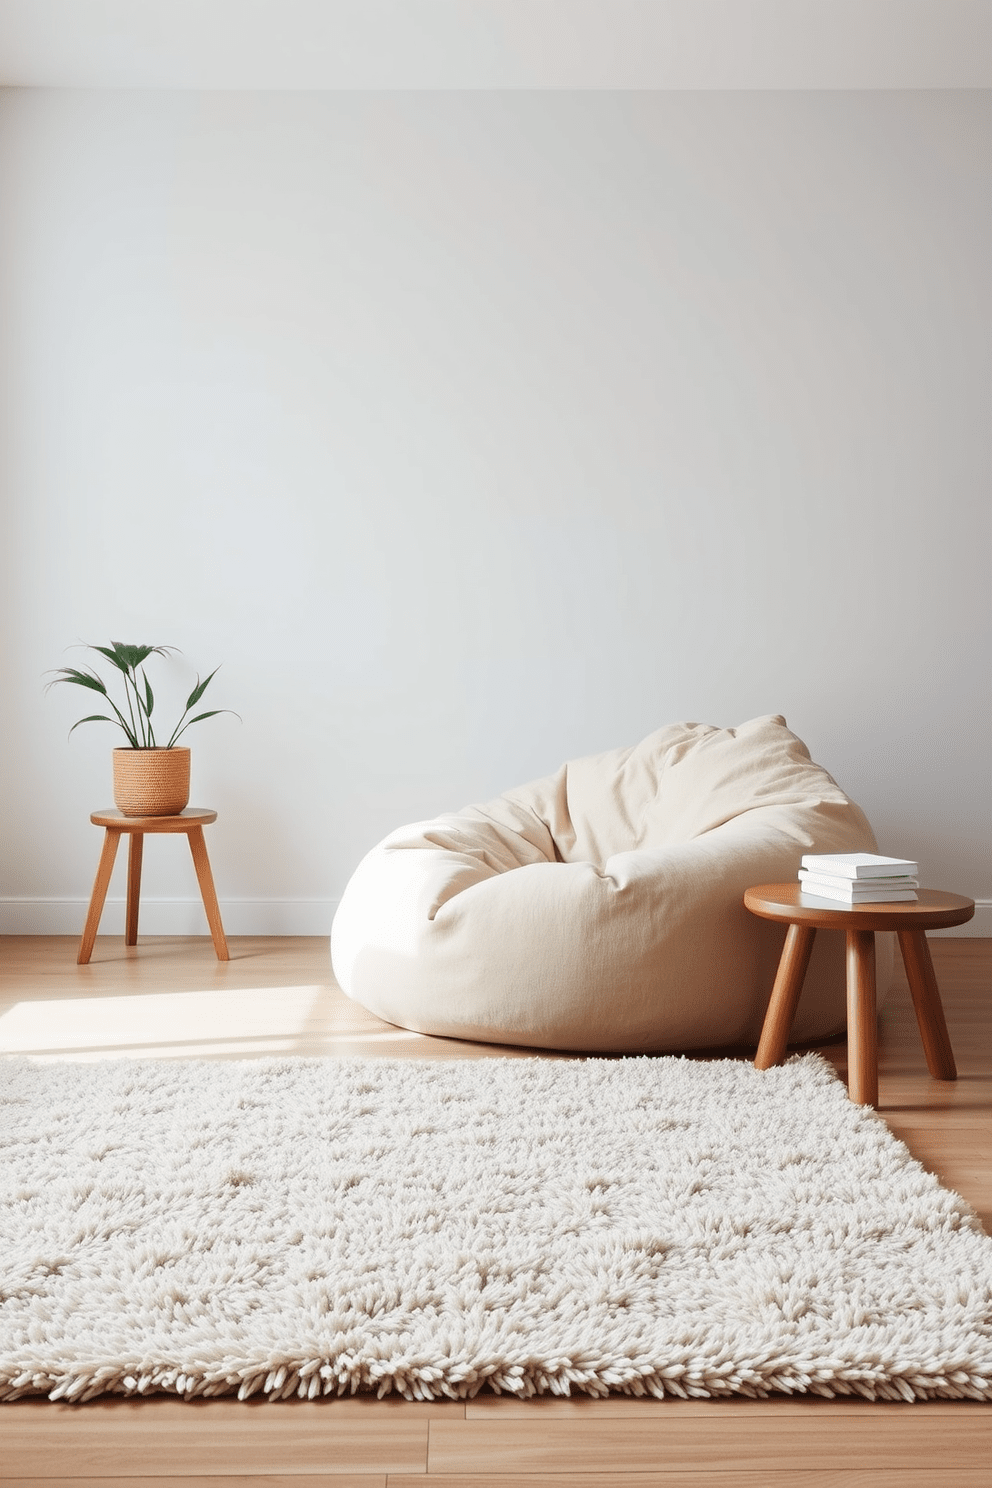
column 130, row 708
column 148, row 716
column 176, row 731
column 131, row 738
column 133, row 675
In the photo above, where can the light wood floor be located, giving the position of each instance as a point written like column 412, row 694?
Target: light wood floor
column 170, row 998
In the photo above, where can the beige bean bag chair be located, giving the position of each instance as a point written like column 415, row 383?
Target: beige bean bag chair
column 600, row 908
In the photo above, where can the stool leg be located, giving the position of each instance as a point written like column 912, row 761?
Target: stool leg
column 100, row 885
column 785, row 996
column 133, row 886
column 862, row 1021
column 201, row 863
column 926, row 1001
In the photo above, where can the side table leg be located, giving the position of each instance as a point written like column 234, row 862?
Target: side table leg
column 201, row 863
column 134, row 848
column 926, row 1001
column 100, row 885
column 862, row 1019
column 785, row 996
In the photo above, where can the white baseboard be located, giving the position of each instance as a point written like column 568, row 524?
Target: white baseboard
column 244, row 917
column 169, row 916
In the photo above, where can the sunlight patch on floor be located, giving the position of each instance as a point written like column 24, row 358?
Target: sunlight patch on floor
column 229, row 1049
column 269, row 1020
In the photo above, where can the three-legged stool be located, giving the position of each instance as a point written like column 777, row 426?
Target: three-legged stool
column 805, row 914
column 191, row 821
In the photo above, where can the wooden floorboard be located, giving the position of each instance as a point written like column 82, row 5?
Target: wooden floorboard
column 165, row 1437
column 226, row 1480
column 785, row 1477
column 897, row 1441
column 701, row 1412
column 236, row 1480
column 169, row 998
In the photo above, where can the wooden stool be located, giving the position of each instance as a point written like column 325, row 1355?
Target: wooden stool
column 191, row 821
column 804, row 915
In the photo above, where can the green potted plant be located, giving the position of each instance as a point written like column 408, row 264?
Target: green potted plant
column 149, row 779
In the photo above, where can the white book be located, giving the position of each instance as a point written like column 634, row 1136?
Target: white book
column 859, row 885
column 857, row 896
column 859, row 865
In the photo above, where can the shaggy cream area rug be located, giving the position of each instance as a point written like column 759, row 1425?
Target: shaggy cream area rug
column 310, row 1227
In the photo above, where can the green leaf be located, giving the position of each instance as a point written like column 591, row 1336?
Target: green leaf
column 102, row 718
column 199, row 690
column 81, row 679
column 149, row 705
column 199, row 719
column 134, row 655
column 126, row 656
column 112, row 656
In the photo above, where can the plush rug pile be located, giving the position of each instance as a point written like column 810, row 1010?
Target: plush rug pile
column 309, row 1227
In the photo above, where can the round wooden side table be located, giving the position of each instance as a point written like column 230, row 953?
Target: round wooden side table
column 805, row 914
column 191, row 821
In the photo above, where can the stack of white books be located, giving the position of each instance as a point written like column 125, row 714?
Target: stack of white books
column 859, row 878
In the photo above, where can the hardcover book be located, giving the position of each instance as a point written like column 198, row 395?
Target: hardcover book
column 848, row 894
column 859, row 865
column 857, row 885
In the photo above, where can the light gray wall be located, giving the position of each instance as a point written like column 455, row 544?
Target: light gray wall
column 434, row 44
column 477, row 431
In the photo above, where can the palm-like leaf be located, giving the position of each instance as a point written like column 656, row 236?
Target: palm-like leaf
column 81, row 679
column 133, row 656
column 102, row 718
column 199, row 690
column 113, row 656
column 126, row 657
column 182, row 727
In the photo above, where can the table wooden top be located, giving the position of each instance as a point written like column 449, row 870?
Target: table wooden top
column 933, row 909
column 191, row 816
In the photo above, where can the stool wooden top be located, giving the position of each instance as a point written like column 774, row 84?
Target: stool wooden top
column 933, row 909
column 192, row 816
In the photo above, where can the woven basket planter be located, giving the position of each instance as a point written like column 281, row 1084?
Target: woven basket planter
column 151, row 782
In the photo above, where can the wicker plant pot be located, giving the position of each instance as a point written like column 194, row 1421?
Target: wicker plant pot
column 151, row 782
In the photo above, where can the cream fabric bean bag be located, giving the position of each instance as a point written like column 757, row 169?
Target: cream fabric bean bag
column 600, row 908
